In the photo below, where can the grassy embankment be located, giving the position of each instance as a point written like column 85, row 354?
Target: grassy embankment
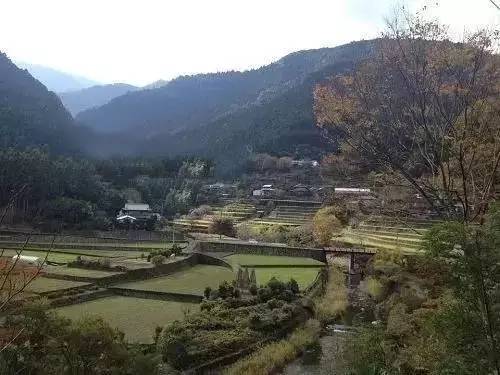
column 192, row 280
column 136, row 317
column 272, row 357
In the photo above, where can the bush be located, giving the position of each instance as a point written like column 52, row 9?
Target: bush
column 207, row 292
column 223, row 226
column 293, row 286
column 158, row 260
column 274, row 356
column 253, row 289
column 301, row 236
column 325, row 225
column 99, row 264
column 200, row 212
column 176, row 249
column 334, row 302
column 375, row 288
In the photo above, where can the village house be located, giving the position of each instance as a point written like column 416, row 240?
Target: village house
column 133, row 212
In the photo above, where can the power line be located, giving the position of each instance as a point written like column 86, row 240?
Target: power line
column 495, row 4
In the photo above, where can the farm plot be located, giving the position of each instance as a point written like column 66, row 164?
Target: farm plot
column 67, row 255
column 78, row 272
column 237, row 212
column 191, row 280
column 58, row 257
column 270, row 260
column 288, row 216
column 136, row 317
column 303, row 275
column 44, row 284
column 388, row 233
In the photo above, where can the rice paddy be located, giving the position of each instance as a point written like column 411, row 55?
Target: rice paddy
column 136, row 317
column 191, row 280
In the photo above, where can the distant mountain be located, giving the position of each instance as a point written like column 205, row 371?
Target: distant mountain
column 30, row 115
column 55, row 80
column 156, row 84
column 95, row 96
column 226, row 116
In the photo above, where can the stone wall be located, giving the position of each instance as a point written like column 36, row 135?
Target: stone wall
column 165, row 296
column 260, row 249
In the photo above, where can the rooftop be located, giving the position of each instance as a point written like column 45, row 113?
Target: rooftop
column 137, row 207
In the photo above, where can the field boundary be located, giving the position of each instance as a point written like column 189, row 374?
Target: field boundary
column 162, row 296
column 259, row 249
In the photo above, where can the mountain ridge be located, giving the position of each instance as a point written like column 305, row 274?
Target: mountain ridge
column 225, row 116
column 77, row 101
column 30, row 114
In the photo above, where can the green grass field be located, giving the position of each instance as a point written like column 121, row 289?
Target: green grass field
column 53, row 257
column 303, row 276
column 67, row 255
column 192, row 280
column 248, row 259
column 136, row 317
column 44, row 284
column 70, row 271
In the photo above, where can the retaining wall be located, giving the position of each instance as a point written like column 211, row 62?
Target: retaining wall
column 164, row 296
column 260, row 249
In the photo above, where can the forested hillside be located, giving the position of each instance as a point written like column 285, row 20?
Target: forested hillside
column 80, row 100
column 267, row 109
column 30, row 115
column 56, row 80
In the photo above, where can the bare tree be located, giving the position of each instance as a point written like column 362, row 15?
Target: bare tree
column 428, row 110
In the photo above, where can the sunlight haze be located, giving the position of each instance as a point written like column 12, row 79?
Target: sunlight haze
column 141, row 42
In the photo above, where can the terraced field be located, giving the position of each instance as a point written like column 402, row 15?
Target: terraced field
column 136, row 317
column 238, row 212
column 78, row 272
column 58, row 257
column 191, row 280
column 66, row 252
column 389, row 233
column 303, row 275
column 44, row 284
column 283, row 268
column 288, row 215
column 270, row 260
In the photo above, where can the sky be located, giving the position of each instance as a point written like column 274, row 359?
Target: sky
column 141, row 41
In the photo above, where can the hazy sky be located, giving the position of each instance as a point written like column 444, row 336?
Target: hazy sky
column 140, row 41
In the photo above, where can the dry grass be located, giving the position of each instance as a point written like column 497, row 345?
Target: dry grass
column 374, row 288
column 333, row 304
column 274, row 356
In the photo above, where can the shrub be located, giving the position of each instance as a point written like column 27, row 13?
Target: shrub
column 293, row 286
column 222, row 226
column 105, row 262
column 300, row 236
column 325, row 225
column 199, row 212
column 207, row 292
column 375, row 288
column 176, row 249
column 253, row 290
column 158, row 260
column 334, row 302
column 274, row 356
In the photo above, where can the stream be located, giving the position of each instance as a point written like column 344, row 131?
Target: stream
column 327, row 360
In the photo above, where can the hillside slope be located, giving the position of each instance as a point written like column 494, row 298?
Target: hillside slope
column 95, row 96
column 193, row 101
column 56, row 80
column 30, row 115
column 225, row 116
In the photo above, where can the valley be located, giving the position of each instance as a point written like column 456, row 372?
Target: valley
column 320, row 210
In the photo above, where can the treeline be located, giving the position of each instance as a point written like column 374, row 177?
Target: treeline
column 58, row 192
